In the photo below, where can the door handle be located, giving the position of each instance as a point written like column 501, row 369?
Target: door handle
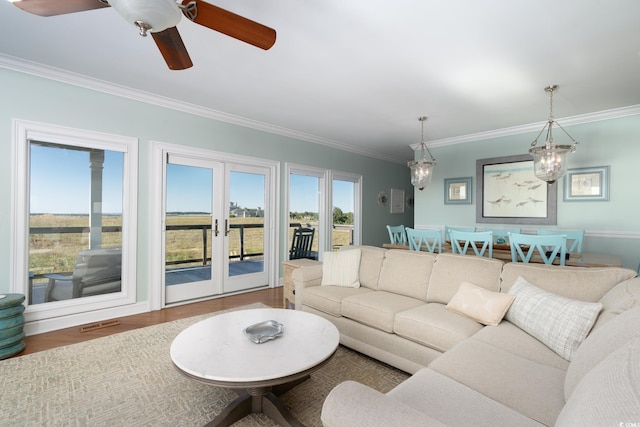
column 215, row 230
column 226, row 227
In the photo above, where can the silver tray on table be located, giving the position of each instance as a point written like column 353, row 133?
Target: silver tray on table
column 263, row 331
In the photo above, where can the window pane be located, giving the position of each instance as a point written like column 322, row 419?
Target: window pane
column 75, row 222
column 343, row 213
column 304, row 197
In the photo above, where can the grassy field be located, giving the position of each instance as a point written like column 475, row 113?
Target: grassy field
column 56, row 253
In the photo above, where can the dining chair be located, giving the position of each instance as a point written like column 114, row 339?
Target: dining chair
column 548, row 247
column 397, row 234
column 574, row 238
column 430, row 239
column 461, row 241
column 501, row 235
column 447, row 229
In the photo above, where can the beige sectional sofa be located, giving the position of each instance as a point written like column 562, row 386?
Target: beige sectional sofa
column 465, row 372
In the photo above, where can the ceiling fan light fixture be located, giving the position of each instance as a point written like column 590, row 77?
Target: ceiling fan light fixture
column 151, row 15
column 422, row 170
column 550, row 160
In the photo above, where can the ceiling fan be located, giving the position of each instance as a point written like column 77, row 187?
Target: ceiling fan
column 160, row 17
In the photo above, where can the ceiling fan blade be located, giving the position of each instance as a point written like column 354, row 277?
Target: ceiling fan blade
column 58, row 7
column 233, row 25
column 172, row 49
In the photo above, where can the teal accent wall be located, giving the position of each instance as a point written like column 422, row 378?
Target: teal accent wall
column 611, row 227
column 32, row 98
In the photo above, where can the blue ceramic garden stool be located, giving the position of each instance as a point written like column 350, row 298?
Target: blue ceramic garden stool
column 11, row 325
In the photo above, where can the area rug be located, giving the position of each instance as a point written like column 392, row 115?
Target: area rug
column 128, row 379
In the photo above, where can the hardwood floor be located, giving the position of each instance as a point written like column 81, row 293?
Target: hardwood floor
column 49, row 340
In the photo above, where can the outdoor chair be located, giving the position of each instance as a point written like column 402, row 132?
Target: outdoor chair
column 97, row 272
column 301, row 243
column 397, row 234
column 430, row 239
column 574, row 238
column 480, row 241
column 547, row 247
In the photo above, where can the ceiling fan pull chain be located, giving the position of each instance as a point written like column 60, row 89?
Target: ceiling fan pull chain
column 190, row 10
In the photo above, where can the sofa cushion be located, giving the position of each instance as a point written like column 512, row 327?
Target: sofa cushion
column 528, row 387
column 583, row 283
column 481, row 305
column 453, row 403
column 370, row 264
column 609, row 394
column 377, row 309
column 619, row 299
column 434, row 326
column 600, row 343
column 509, row 337
column 406, row 273
column 450, row 270
column 560, row 323
column 329, row 299
column 341, row 268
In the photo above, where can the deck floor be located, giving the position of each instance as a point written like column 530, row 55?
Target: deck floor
column 177, row 275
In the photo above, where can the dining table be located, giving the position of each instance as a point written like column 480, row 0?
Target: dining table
column 503, row 252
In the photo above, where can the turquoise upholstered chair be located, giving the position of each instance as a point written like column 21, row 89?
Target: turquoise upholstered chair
column 447, row 229
column 397, row 234
column 574, row 238
column 480, row 241
column 548, row 247
column 500, row 234
column 430, row 239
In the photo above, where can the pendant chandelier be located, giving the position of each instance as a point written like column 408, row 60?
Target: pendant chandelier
column 550, row 160
column 422, row 170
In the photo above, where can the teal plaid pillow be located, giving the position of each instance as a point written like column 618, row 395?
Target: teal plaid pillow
column 558, row 322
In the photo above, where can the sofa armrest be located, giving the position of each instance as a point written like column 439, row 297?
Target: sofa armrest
column 353, row 404
column 304, row 277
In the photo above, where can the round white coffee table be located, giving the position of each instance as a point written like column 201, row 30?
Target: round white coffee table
column 216, row 351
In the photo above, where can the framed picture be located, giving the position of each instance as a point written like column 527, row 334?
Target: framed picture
column 397, row 201
column 587, row 184
column 457, row 191
column 508, row 192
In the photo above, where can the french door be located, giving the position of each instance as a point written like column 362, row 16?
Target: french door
column 216, row 229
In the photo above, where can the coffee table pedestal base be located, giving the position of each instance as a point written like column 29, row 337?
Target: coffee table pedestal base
column 259, row 400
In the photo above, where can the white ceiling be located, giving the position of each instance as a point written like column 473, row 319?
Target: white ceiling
column 359, row 73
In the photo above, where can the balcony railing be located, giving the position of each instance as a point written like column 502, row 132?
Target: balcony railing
column 240, row 255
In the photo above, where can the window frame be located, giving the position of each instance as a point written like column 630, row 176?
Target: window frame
column 325, row 204
column 38, row 317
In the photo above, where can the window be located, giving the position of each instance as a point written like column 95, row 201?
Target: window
column 326, row 201
column 74, row 222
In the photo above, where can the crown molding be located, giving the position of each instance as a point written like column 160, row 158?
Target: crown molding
column 68, row 77
column 533, row 127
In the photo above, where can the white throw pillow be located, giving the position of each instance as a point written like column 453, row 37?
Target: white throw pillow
column 480, row 304
column 341, row 268
column 558, row 322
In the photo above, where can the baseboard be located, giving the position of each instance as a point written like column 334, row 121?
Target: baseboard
column 53, row 324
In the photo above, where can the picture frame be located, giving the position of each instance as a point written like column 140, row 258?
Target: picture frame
column 397, row 201
column 457, row 191
column 587, row 184
column 508, row 192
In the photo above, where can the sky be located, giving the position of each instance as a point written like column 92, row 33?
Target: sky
column 188, row 188
column 69, row 169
